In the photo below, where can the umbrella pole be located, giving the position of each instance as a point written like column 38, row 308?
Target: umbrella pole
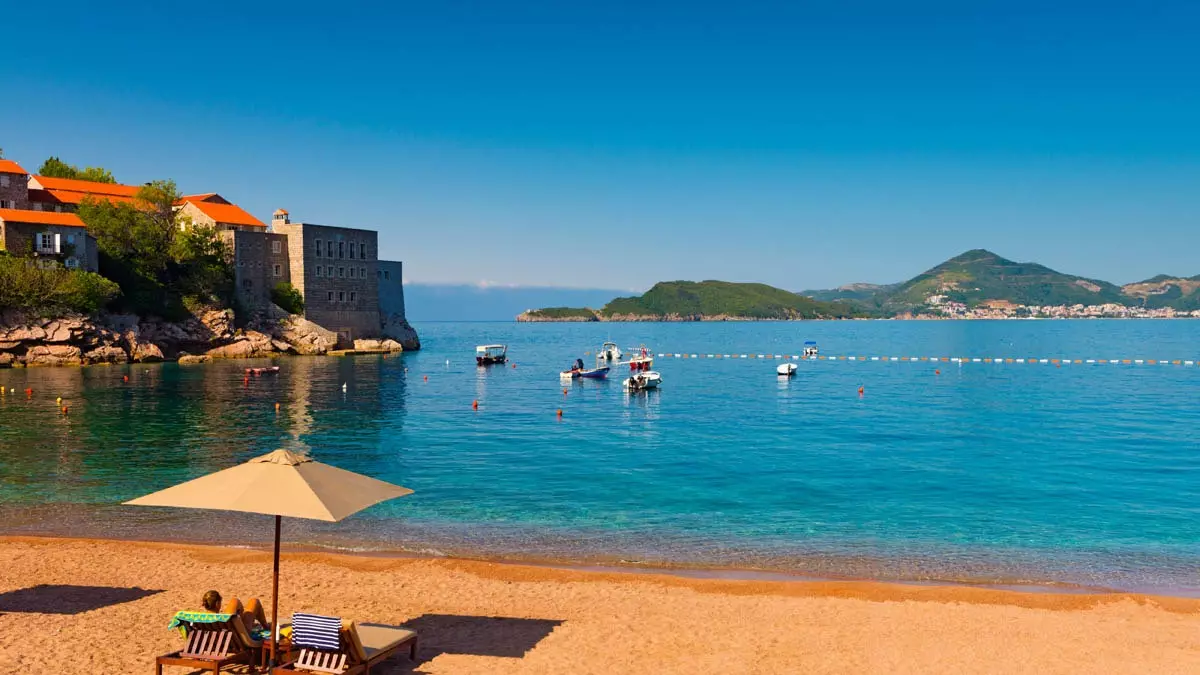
column 275, row 598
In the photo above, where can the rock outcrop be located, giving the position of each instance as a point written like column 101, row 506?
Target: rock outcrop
column 396, row 327
column 211, row 334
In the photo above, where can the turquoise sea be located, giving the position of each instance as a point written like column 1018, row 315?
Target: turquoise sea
column 1004, row 473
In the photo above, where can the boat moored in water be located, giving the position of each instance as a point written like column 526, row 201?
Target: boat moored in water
column 486, row 355
column 578, row 371
column 642, row 361
column 786, row 369
column 609, row 352
column 643, row 381
column 810, row 350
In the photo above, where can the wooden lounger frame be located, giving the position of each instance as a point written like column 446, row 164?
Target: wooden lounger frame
column 211, row 647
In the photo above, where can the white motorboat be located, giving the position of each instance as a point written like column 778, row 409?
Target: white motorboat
column 810, row 350
column 786, row 369
column 642, row 381
column 486, row 355
column 609, row 352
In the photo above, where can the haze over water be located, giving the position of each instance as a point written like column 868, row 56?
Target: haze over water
column 1004, row 473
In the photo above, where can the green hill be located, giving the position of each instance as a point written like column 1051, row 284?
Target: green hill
column 979, row 276
column 699, row 301
column 975, row 277
column 696, row 300
column 1164, row 290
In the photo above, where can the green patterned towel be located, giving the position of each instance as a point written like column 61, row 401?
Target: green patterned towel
column 181, row 620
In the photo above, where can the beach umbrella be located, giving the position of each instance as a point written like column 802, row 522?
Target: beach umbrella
column 279, row 484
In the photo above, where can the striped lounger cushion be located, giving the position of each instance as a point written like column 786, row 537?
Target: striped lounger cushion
column 313, row 631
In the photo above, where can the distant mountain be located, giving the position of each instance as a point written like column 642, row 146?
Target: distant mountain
column 462, row 302
column 1181, row 293
column 702, row 301
column 977, row 277
column 850, row 292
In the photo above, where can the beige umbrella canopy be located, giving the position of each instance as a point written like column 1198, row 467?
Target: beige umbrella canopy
column 279, row 484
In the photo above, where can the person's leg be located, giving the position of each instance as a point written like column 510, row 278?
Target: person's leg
column 254, row 612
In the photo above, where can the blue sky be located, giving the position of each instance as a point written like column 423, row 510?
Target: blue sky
column 616, row 144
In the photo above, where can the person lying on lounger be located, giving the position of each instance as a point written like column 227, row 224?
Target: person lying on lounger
column 251, row 613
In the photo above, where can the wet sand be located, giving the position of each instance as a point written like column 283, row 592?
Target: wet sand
column 101, row 607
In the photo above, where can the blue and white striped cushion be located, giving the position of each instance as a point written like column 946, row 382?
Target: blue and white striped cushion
column 314, row 631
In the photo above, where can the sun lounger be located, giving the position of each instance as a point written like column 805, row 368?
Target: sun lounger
column 214, row 641
column 330, row 645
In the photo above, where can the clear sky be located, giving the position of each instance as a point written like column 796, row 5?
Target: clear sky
column 613, row 144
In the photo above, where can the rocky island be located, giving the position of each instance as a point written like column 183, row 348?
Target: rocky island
column 702, row 301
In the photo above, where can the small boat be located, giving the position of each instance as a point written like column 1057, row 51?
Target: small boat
column 786, row 369
column 578, row 370
column 486, row 355
column 609, row 352
column 642, row 362
column 262, row 371
column 810, row 350
column 643, row 381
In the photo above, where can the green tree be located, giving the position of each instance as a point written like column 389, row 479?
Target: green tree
column 27, row 287
column 287, row 298
column 54, row 167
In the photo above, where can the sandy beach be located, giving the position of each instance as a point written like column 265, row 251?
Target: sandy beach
column 101, row 607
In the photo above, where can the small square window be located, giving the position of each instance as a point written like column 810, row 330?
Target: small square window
column 329, row 249
column 278, row 271
column 319, row 270
column 341, row 296
column 275, row 246
column 329, row 271
column 362, row 251
column 341, row 272
column 247, row 284
column 387, row 274
column 353, row 296
column 3, row 181
column 352, row 250
column 331, row 296
column 341, row 249
column 362, row 273
column 318, row 248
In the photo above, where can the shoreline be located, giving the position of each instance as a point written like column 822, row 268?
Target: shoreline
column 633, row 569
column 711, row 579
column 481, row 617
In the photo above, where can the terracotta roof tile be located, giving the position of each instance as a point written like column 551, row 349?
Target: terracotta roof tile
column 73, row 197
column 9, row 166
column 86, row 186
column 231, row 214
column 40, row 217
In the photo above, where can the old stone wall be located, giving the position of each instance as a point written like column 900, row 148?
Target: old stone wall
column 14, row 190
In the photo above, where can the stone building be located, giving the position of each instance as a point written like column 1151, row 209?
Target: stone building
column 63, row 195
column 260, row 263
column 14, row 185
column 49, row 238
column 213, row 210
column 334, row 268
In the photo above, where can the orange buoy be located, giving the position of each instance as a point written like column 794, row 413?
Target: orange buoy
column 937, row 372
column 564, row 391
column 64, row 410
column 276, row 407
column 860, row 391
column 125, row 378
column 560, row 412
column 28, row 392
column 514, row 366
column 475, row 404
column 426, row 378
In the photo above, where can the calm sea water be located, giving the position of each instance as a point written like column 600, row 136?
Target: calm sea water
column 1083, row 474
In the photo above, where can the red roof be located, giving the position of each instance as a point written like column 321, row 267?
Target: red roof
column 230, row 214
column 73, row 197
column 206, row 197
column 40, row 217
column 9, row 166
column 86, row 186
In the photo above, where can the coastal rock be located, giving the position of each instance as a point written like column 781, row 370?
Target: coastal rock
column 193, row 359
column 7, row 360
column 5, row 346
column 397, row 328
column 106, row 354
column 391, row 345
column 305, row 336
column 250, row 344
column 146, row 352
column 53, row 355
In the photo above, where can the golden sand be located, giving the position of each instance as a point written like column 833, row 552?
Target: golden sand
column 71, row 606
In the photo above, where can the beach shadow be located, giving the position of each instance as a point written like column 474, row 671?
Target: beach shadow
column 65, row 599
column 501, row 636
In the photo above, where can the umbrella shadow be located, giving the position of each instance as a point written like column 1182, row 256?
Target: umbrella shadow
column 500, row 636
column 67, row 599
